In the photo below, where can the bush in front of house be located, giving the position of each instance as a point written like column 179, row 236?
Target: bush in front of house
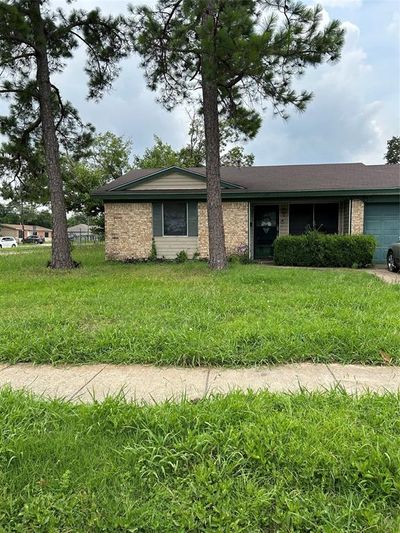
column 240, row 255
column 181, row 257
column 320, row 250
column 153, row 251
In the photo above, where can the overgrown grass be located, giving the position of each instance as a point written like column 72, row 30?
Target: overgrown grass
column 251, row 463
column 185, row 314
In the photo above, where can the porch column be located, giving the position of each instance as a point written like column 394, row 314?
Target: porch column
column 356, row 217
column 283, row 219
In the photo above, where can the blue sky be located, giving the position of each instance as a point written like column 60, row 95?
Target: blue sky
column 355, row 110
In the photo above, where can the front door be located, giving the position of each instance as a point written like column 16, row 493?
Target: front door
column 266, row 219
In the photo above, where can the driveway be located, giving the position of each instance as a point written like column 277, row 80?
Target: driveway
column 385, row 275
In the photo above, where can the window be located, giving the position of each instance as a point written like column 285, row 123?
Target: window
column 46, row 234
column 300, row 218
column 175, row 218
column 326, row 217
column 322, row 217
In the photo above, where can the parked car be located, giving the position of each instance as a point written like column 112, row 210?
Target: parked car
column 393, row 258
column 33, row 239
column 8, row 242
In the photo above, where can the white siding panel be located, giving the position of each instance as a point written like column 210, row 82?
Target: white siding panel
column 169, row 246
column 172, row 181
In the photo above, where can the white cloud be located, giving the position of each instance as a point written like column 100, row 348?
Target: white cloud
column 340, row 3
column 393, row 28
column 325, row 18
column 341, row 124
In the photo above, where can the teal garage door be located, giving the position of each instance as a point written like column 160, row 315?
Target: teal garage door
column 382, row 221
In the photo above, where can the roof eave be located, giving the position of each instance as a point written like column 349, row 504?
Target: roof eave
column 202, row 194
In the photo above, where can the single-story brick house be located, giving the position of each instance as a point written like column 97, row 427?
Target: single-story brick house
column 20, row 232
column 259, row 203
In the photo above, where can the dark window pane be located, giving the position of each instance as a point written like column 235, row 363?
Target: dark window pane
column 175, row 218
column 157, row 219
column 300, row 218
column 326, row 217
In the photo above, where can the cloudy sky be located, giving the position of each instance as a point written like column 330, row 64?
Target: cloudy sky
column 355, row 109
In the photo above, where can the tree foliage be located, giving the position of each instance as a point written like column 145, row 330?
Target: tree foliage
column 160, row 155
column 392, row 155
column 193, row 154
column 108, row 157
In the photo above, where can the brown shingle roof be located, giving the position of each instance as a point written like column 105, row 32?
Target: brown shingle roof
column 291, row 178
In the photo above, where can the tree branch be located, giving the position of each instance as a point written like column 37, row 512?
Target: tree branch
column 16, row 58
column 62, row 114
column 89, row 46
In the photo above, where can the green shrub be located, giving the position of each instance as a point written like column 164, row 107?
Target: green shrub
column 181, row 257
column 153, row 252
column 320, row 250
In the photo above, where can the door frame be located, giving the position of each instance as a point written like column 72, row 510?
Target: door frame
column 252, row 225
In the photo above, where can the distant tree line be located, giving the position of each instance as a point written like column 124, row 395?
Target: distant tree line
column 11, row 213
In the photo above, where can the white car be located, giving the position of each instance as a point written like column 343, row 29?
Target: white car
column 8, row 242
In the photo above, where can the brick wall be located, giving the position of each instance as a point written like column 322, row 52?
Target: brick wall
column 128, row 230
column 357, row 217
column 236, row 225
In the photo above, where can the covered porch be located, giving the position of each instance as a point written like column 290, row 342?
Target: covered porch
column 270, row 219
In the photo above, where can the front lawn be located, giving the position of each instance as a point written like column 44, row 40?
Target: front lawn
column 250, row 463
column 184, row 314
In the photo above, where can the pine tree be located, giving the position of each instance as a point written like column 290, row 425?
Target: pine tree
column 231, row 55
column 35, row 42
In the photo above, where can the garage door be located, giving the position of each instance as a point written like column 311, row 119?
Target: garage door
column 382, row 221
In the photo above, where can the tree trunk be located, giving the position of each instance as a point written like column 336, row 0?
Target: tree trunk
column 61, row 250
column 216, row 235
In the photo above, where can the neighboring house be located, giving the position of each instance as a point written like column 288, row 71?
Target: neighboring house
column 20, row 232
column 82, row 232
column 259, row 203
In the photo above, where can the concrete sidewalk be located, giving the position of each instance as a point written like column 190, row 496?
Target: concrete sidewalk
column 149, row 384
